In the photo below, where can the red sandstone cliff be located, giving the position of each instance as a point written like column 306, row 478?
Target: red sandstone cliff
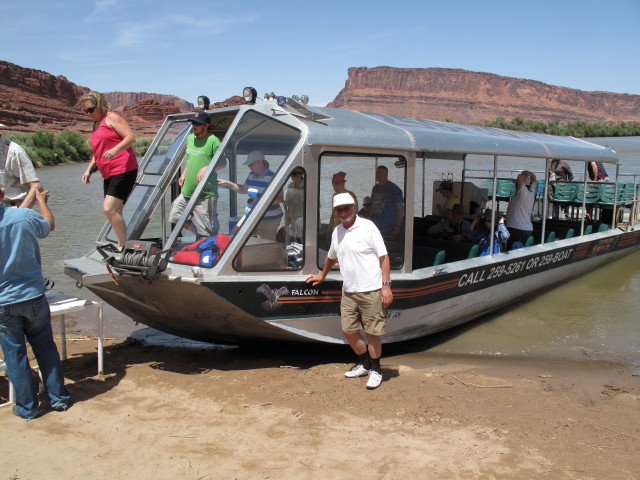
column 132, row 99
column 33, row 100
column 472, row 97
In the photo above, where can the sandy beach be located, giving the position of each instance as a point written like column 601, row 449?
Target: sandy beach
column 289, row 413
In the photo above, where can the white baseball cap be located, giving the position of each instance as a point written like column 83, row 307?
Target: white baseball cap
column 343, row 199
column 254, row 157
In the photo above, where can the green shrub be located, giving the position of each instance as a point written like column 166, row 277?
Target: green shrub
column 46, row 148
column 73, row 147
column 576, row 129
column 43, row 139
column 141, row 146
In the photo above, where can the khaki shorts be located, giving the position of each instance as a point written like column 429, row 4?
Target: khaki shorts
column 204, row 216
column 363, row 310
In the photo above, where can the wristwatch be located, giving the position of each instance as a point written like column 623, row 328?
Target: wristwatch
column 387, row 284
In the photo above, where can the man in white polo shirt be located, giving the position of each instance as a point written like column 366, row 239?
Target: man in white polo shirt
column 357, row 245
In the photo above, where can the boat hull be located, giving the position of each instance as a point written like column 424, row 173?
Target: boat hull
column 285, row 308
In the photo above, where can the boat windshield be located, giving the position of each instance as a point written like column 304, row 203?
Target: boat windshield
column 234, row 197
column 141, row 212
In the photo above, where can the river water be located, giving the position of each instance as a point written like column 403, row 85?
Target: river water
column 594, row 316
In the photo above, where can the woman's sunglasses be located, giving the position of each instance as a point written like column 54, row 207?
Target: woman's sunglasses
column 89, row 110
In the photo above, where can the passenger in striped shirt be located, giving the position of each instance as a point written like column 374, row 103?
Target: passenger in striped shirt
column 256, row 183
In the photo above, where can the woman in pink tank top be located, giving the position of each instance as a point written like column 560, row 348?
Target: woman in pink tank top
column 113, row 156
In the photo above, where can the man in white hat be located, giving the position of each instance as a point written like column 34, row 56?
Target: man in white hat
column 366, row 290
column 258, row 180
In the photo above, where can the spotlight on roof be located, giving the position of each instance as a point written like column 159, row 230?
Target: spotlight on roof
column 250, row 94
column 300, row 99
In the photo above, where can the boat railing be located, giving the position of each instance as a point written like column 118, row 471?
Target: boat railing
column 580, row 196
column 487, row 173
column 631, row 196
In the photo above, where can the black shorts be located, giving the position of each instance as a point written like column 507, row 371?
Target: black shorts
column 120, row 185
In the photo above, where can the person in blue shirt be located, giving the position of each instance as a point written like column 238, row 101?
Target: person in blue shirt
column 481, row 233
column 387, row 205
column 24, row 310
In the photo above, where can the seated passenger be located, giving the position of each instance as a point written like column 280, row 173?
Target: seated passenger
column 481, row 233
column 445, row 209
column 458, row 228
column 294, row 207
column 365, row 211
column 258, row 180
column 387, row 209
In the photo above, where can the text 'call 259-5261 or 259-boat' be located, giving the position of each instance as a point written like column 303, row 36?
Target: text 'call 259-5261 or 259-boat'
column 242, row 285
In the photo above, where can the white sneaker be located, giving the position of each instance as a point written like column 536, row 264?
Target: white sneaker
column 357, row 371
column 375, row 379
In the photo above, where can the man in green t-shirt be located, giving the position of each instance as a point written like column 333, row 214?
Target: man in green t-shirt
column 201, row 146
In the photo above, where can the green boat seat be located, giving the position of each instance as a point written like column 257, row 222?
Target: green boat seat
column 427, row 257
column 608, row 194
column 563, row 232
column 565, row 192
column 628, row 192
column 530, row 241
column 592, row 193
column 454, row 250
column 537, row 236
column 488, row 184
column 506, row 188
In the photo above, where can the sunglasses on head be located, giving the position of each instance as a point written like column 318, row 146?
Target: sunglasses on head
column 89, row 110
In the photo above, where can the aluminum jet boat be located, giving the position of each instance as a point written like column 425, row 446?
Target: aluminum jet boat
column 245, row 281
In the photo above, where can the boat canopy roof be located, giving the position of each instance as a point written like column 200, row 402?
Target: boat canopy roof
column 432, row 139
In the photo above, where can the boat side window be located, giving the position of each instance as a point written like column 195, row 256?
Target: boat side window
column 277, row 240
column 377, row 185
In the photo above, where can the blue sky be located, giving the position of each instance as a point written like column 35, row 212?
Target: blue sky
column 216, row 48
